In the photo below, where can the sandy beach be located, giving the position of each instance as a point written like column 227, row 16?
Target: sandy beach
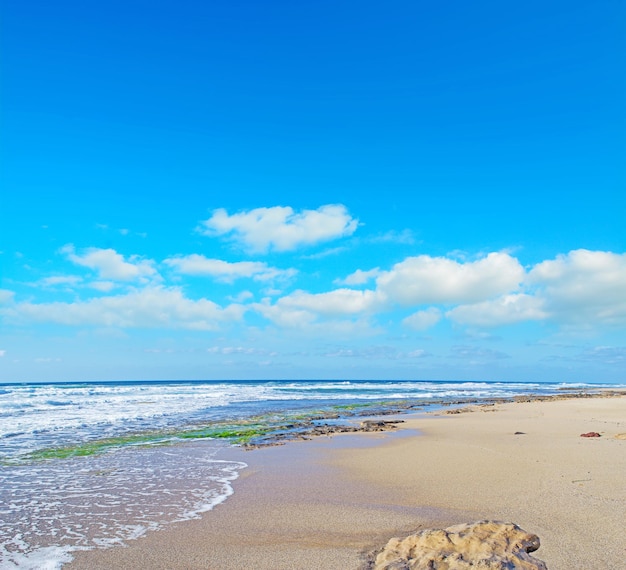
column 330, row 502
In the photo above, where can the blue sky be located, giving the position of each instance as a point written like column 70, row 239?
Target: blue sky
column 206, row 190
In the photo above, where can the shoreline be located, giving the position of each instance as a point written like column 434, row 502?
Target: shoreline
column 329, row 502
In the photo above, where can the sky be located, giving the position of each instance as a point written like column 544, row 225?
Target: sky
column 313, row 190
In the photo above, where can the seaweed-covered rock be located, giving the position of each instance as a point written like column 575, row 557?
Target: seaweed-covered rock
column 483, row 545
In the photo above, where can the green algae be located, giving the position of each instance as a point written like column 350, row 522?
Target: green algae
column 94, row 447
column 235, row 433
column 240, row 432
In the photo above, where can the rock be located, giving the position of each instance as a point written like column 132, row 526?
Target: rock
column 379, row 425
column 620, row 436
column 520, row 433
column 458, row 411
column 590, row 434
column 483, row 545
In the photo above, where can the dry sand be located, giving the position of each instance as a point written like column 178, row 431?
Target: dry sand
column 324, row 504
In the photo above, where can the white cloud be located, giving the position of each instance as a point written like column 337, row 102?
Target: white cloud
column 425, row 279
column 423, row 320
column 111, row 265
column 241, row 297
column 6, row 296
column 2, row 353
column 334, row 303
column 154, row 307
column 60, row 280
column 501, row 311
column 336, row 312
column 280, row 228
column 360, row 277
column 414, row 281
column 285, row 316
column 583, row 287
column 103, row 286
column 225, row 271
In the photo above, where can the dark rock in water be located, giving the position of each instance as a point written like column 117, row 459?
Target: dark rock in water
column 379, row 425
column 590, row 434
column 485, row 545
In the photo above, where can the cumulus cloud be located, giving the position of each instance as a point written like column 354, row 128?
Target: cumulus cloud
column 580, row 287
column 583, row 287
column 504, row 310
column 414, row 281
column 226, row 271
column 423, row 320
column 341, row 311
column 360, row 277
column 428, row 280
column 111, row 265
column 241, row 297
column 288, row 317
column 281, row 228
column 334, row 303
column 102, row 286
column 153, row 307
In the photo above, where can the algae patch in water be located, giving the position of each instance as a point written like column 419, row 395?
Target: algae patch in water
column 236, row 433
column 94, row 447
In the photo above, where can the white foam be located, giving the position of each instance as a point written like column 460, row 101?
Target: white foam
column 104, row 501
column 45, row 558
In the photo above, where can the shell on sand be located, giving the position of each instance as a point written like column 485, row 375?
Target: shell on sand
column 620, row 436
column 485, row 545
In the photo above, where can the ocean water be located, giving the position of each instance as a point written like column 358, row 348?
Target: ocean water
column 93, row 465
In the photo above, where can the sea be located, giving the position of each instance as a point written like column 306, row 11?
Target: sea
column 93, row 465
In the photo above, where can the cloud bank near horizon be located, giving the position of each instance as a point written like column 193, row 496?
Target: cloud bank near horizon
column 579, row 289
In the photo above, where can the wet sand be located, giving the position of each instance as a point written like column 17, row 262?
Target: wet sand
column 326, row 503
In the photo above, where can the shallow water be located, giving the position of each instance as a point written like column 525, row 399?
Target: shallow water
column 104, row 500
